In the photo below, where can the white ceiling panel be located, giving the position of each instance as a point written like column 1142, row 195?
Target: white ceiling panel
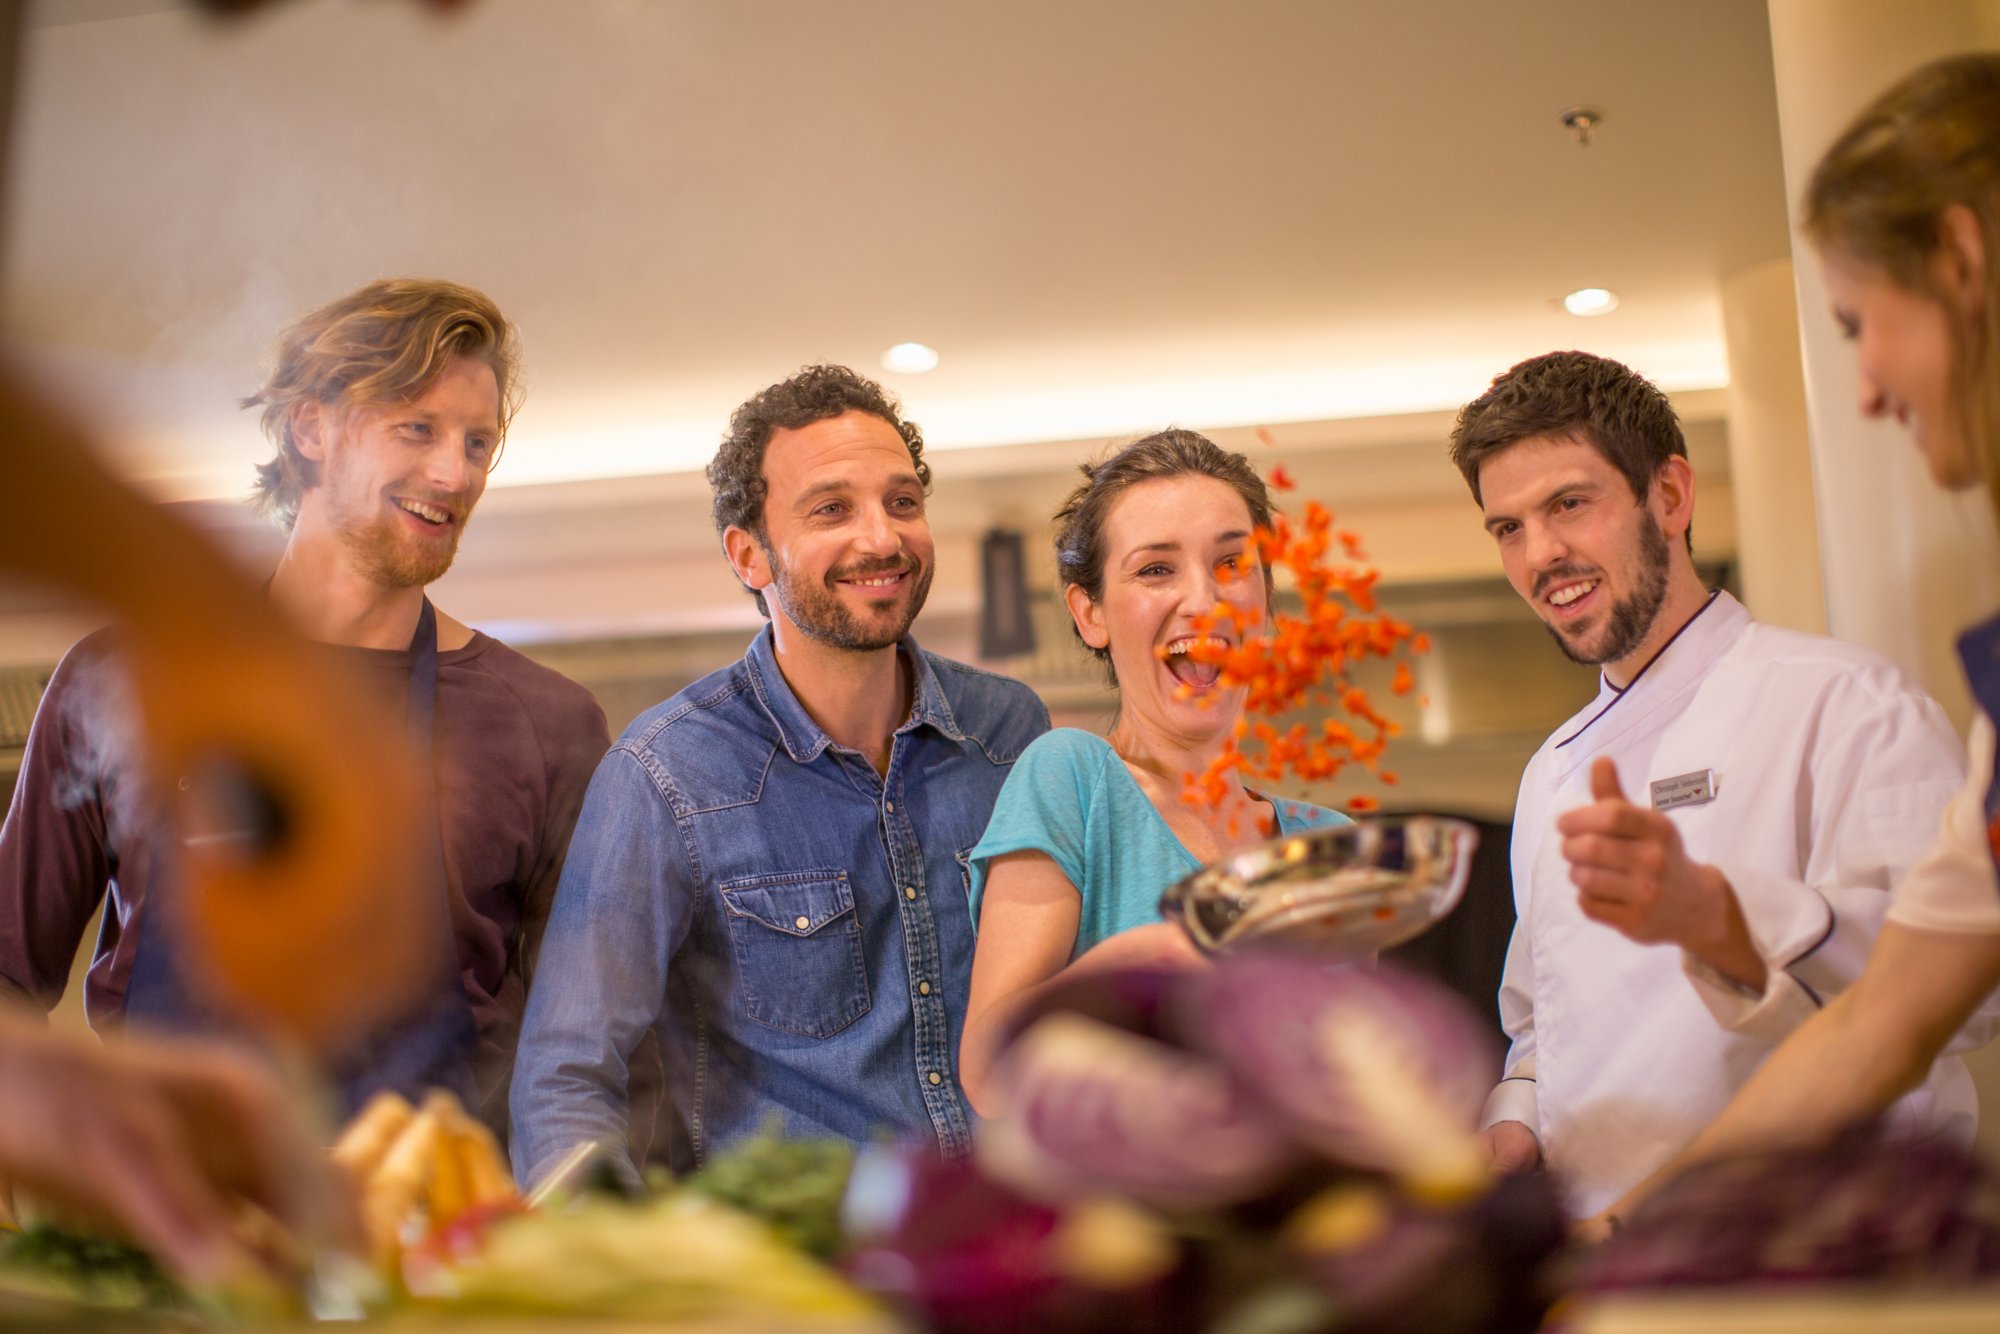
column 1106, row 216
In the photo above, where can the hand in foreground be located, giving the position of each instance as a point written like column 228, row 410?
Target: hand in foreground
column 176, row 1145
column 1510, row 1147
column 1632, row 874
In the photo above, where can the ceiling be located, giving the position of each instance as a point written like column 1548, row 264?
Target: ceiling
column 1106, row 216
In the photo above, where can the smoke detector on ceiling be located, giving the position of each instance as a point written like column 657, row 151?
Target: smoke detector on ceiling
column 1582, row 121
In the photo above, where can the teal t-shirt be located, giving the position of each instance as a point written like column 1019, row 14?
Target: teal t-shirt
column 1070, row 796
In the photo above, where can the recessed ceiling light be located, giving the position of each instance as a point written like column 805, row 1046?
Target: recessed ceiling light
column 910, row 359
column 1590, row 301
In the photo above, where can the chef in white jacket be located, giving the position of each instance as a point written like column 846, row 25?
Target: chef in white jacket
column 1702, row 856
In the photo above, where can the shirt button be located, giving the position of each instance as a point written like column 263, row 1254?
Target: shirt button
column 935, row 1077
column 923, row 988
column 909, row 891
column 803, row 923
column 891, row 806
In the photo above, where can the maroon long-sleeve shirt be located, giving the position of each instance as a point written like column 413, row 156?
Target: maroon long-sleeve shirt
column 517, row 744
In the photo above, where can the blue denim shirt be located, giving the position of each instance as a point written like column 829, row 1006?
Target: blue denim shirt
column 794, row 925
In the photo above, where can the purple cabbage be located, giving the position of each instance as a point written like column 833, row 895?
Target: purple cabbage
column 1095, row 1110
column 1303, row 1130
column 1186, row 1089
column 970, row 1256
column 1395, row 1263
column 1132, row 1000
column 1864, row 1207
column 1366, row 1066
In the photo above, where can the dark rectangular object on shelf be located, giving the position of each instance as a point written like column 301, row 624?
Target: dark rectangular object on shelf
column 1006, row 629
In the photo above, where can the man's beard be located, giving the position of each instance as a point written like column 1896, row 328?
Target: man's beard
column 1631, row 619
column 385, row 555
column 816, row 608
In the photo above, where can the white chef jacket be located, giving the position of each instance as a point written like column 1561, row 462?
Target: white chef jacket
column 1830, row 772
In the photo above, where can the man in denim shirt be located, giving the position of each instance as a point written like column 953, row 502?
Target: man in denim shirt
column 770, row 866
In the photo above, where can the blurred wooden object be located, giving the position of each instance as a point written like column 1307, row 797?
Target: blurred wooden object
column 317, row 923
column 1824, row 1309
column 304, row 907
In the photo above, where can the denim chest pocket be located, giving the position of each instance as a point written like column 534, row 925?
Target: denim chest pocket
column 797, row 945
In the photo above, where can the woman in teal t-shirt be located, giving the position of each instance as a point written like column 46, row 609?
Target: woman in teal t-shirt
column 1089, row 830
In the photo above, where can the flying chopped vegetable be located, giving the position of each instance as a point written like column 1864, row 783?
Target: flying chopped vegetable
column 1304, row 658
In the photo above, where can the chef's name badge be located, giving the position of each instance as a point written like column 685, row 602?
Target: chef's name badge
column 1684, row 790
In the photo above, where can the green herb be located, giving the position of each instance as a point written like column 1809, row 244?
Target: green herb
column 93, row 1269
column 795, row 1185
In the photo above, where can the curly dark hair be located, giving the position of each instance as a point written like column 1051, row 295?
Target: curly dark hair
column 1579, row 396
column 1080, row 553
column 817, row 393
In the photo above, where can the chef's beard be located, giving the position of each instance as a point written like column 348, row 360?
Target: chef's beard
column 1631, row 618
column 816, row 608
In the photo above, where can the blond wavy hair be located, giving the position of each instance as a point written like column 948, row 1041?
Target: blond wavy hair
column 386, row 343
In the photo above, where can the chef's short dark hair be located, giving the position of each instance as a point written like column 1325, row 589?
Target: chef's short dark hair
column 1572, row 395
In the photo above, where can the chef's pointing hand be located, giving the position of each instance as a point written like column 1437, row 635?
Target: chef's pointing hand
column 1632, row 874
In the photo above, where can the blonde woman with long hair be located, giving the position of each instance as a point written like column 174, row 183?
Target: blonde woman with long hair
column 1904, row 211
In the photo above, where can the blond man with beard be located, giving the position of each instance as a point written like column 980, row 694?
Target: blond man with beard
column 388, row 408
